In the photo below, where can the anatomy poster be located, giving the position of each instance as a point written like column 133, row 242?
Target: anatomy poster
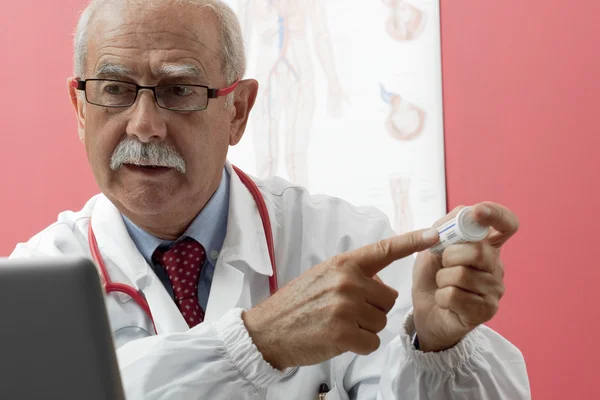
column 350, row 101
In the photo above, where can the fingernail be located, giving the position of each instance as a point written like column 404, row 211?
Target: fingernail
column 486, row 211
column 429, row 234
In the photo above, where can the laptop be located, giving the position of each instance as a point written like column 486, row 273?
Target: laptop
column 55, row 339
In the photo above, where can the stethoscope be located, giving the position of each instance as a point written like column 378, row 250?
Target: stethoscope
column 137, row 296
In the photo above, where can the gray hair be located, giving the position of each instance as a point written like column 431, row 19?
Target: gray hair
column 153, row 154
column 233, row 57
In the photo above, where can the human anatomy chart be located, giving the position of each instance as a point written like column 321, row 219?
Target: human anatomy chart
column 350, row 101
column 406, row 21
column 405, row 121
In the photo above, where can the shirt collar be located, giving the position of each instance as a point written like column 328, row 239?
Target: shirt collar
column 208, row 228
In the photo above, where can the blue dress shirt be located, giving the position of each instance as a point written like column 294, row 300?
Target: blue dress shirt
column 208, row 228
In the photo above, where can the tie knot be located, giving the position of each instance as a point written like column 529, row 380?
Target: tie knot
column 187, row 246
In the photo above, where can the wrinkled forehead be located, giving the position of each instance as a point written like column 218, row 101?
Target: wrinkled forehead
column 134, row 39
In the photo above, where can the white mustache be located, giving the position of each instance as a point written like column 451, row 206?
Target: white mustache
column 155, row 154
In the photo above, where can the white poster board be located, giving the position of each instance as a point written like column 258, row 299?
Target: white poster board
column 350, row 102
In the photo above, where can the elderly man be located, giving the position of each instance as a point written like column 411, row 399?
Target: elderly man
column 159, row 98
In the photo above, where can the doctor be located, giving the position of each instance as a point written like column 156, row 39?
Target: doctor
column 159, row 98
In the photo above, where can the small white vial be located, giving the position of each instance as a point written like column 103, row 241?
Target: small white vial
column 461, row 229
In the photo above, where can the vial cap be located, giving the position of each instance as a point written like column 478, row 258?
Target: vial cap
column 470, row 229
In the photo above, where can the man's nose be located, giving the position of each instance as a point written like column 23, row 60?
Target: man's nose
column 146, row 123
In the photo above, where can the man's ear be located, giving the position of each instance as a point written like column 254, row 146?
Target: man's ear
column 79, row 106
column 245, row 96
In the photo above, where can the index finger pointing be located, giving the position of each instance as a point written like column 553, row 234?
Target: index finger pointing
column 375, row 257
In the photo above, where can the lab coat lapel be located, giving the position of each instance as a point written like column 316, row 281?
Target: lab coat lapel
column 125, row 264
column 244, row 253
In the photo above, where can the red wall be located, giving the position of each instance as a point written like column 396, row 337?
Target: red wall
column 44, row 168
column 521, row 103
column 520, row 91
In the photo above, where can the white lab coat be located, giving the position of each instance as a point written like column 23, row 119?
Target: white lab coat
column 217, row 359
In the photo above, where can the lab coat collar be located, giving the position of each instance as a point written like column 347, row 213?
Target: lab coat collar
column 244, row 251
column 115, row 244
column 245, row 243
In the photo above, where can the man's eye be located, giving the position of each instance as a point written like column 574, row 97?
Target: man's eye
column 181, row 90
column 114, row 89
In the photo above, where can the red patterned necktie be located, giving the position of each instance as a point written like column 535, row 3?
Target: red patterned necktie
column 183, row 263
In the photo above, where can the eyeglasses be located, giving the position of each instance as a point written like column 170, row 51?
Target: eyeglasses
column 118, row 94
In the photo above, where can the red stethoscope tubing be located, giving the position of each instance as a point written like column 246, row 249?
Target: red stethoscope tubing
column 115, row 287
column 266, row 221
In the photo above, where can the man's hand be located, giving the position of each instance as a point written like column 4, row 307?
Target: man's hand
column 455, row 293
column 335, row 307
